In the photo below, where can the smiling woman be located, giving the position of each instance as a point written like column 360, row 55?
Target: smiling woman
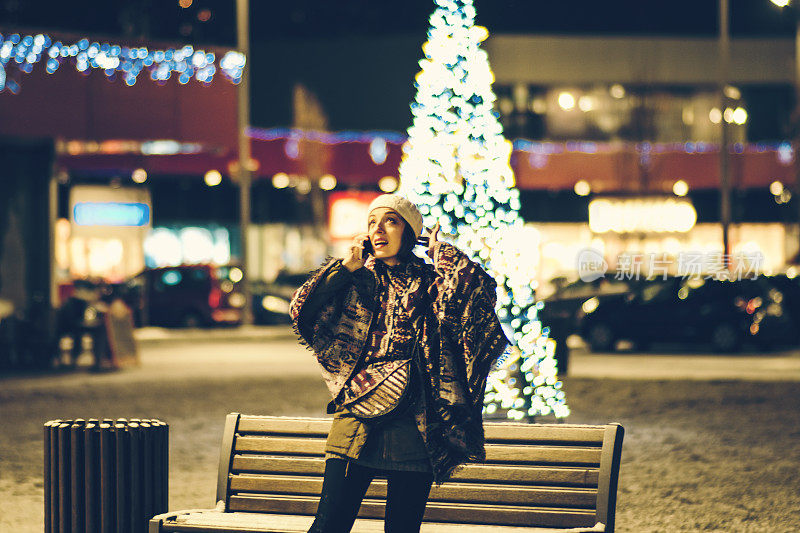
column 386, row 229
column 401, row 409
column 393, row 224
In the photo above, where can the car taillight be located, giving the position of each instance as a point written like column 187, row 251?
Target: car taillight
column 753, row 304
column 214, row 297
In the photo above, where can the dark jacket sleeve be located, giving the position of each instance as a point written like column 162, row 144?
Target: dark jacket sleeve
column 333, row 282
column 337, row 279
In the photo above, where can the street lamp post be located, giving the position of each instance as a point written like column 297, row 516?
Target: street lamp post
column 796, row 114
column 725, row 186
column 244, row 177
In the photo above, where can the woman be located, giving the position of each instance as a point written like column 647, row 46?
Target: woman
column 379, row 308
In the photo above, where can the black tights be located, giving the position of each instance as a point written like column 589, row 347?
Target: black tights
column 344, row 487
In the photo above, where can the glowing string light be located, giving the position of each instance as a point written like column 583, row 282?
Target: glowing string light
column 23, row 52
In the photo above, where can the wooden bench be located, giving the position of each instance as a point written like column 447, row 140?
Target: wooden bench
column 537, row 477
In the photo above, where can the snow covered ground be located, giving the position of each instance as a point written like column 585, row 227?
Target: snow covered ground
column 715, row 452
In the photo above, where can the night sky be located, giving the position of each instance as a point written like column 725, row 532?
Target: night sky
column 274, row 19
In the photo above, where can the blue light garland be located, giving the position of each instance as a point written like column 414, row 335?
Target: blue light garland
column 325, row 137
column 186, row 63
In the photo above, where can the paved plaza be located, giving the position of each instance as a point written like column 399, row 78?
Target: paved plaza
column 711, row 441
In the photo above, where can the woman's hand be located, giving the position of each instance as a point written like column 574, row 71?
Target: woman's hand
column 355, row 257
column 433, row 238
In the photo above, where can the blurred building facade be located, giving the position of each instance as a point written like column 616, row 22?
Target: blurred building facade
column 660, row 90
column 589, row 117
column 641, row 117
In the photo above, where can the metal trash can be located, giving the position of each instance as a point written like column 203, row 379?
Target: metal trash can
column 104, row 476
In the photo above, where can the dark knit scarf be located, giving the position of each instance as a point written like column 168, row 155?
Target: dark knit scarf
column 451, row 315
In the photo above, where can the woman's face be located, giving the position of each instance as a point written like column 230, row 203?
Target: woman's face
column 385, row 228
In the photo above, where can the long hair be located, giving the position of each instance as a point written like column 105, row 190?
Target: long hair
column 407, row 243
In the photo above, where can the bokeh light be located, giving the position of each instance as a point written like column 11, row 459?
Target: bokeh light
column 566, row 101
column 327, row 182
column 213, row 178
column 582, row 188
column 280, row 180
column 739, row 115
column 388, row 184
column 139, row 175
column 680, row 188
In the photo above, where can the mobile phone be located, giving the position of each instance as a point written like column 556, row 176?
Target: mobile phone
column 368, row 247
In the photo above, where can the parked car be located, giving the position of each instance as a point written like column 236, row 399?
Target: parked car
column 724, row 314
column 187, row 296
column 789, row 287
column 271, row 300
column 563, row 307
column 270, row 304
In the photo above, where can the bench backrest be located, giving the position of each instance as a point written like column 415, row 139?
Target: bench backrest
column 545, row 475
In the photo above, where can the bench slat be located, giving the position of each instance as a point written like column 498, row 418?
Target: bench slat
column 450, row 492
column 541, row 475
column 276, row 445
column 517, row 454
column 214, row 522
column 495, row 431
column 510, row 495
column 266, row 464
column 567, row 476
column 285, row 425
column 435, row 511
column 532, row 433
column 501, row 453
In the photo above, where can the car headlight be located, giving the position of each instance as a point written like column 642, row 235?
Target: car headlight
column 236, row 300
column 590, row 305
column 275, row 304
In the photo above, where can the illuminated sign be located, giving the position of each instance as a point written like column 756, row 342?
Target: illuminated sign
column 348, row 213
column 641, row 215
column 111, row 214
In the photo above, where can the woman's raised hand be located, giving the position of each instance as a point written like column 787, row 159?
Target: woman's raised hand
column 433, row 238
column 354, row 259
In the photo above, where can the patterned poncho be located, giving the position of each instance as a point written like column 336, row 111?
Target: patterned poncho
column 458, row 333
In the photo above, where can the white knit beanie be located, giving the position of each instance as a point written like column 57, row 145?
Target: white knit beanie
column 404, row 208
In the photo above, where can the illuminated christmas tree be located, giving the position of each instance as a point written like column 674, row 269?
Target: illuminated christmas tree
column 456, row 168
